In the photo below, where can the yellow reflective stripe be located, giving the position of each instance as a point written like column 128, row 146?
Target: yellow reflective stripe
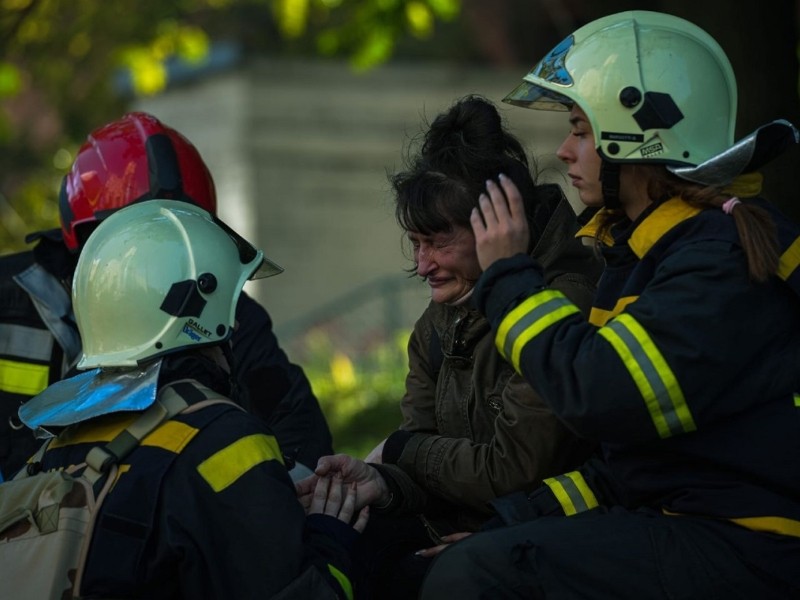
column 789, row 260
column 226, row 466
column 600, row 317
column 780, row 525
column 650, row 372
column 103, row 430
column 121, row 470
column 797, row 400
column 572, row 492
column 172, row 436
column 23, row 378
column 528, row 320
column 347, row 587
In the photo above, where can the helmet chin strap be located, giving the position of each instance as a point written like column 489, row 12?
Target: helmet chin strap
column 232, row 373
column 609, row 179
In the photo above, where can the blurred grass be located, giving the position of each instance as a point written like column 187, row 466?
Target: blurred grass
column 359, row 390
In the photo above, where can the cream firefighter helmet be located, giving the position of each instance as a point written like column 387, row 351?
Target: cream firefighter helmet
column 655, row 88
column 156, row 277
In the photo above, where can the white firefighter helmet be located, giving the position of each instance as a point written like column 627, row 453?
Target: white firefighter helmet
column 156, row 277
column 655, row 88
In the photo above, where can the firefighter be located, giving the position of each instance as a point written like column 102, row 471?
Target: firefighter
column 132, row 159
column 687, row 373
column 203, row 506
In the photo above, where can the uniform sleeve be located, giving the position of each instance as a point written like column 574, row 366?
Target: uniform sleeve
column 276, row 390
column 567, row 494
column 662, row 367
column 230, row 512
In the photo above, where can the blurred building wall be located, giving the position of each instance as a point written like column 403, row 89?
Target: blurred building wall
column 300, row 152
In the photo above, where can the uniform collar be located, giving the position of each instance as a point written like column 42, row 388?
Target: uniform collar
column 658, row 219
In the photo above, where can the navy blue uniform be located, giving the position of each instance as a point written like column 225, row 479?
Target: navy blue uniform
column 39, row 345
column 204, row 508
column 689, row 375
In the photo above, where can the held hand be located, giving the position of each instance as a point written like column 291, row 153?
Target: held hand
column 376, row 454
column 337, row 499
column 372, row 488
column 305, row 491
column 447, row 539
column 499, row 225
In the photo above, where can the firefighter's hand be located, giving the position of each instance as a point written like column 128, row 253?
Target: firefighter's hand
column 499, row 223
column 372, row 489
column 336, row 499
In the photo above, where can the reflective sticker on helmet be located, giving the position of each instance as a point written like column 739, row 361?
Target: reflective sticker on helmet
column 552, row 68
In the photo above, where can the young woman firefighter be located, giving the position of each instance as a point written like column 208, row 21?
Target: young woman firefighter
column 688, row 372
column 202, row 506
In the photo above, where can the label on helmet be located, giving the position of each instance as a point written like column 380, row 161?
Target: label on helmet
column 196, row 331
column 652, row 149
column 621, row 137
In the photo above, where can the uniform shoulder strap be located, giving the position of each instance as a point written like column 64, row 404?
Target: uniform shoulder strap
column 180, row 396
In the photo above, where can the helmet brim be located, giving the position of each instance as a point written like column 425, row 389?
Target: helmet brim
column 529, row 95
column 266, row 268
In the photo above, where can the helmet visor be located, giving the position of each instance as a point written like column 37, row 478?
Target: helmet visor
column 536, row 97
column 552, row 72
column 249, row 254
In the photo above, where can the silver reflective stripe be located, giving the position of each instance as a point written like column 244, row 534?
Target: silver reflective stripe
column 572, row 492
column 18, row 341
column 528, row 320
column 652, row 375
column 53, row 303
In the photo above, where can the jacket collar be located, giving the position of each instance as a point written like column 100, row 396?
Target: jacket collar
column 660, row 218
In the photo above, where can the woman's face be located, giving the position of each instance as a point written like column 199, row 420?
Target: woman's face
column 448, row 262
column 583, row 167
column 583, row 162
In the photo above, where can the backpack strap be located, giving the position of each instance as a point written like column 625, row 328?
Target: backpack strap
column 171, row 400
column 181, row 396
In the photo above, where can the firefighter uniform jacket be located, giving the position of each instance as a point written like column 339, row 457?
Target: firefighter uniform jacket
column 39, row 344
column 39, row 341
column 204, row 508
column 689, row 373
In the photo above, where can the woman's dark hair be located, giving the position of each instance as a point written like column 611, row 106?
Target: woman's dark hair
column 463, row 148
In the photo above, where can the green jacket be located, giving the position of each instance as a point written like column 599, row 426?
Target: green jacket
column 472, row 428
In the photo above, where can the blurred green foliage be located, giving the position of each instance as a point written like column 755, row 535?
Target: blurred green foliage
column 359, row 393
column 61, row 58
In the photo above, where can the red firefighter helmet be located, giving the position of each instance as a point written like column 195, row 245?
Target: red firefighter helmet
column 129, row 160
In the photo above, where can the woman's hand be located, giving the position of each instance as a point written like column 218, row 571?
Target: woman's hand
column 376, row 454
column 334, row 498
column 447, row 539
column 499, row 224
column 372, row 488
